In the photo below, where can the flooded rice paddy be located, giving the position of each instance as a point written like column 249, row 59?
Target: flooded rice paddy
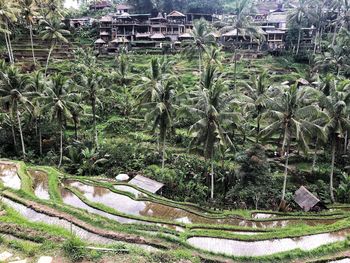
column 265, row 247
column 9, row 177
column 40, row 184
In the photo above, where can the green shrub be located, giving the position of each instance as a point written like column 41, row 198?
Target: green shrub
column 74, row 249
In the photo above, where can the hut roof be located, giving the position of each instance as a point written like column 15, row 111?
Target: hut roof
column 305, row 199
column 139, row 35
column 124, row 7
column 100, row 41
column 120, row 40
column 158, row 17
column 176, row 14
column 104, row 33
column 125, row 15
column 186, row 35
column 106, row 19
column 158, row 36
column 146, row 183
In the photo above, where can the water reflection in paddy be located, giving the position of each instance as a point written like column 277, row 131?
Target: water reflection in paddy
column 40, row 184
column 265, row 247
column 9, row 177
column 129, row 189
column 71, row 199
column 127, row 205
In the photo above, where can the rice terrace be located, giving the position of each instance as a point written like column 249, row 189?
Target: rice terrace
column 167, row 131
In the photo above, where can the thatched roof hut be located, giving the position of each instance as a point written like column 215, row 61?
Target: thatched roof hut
column 100, row 41
column 305, row 199
column 158, row 36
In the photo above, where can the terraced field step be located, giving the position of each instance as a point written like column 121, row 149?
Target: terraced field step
column 11, row 258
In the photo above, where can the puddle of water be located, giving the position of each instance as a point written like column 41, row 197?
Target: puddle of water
column 127, row 205
column 9, row 177
column 265, row 247
column 40, row 184
column 129, row 189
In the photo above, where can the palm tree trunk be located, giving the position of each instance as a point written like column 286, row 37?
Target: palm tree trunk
column 61, row 146
column 93, row 104
column 9, row 44
column 345, row 142
column 40, row 143
column 200, row 62
column 315, row 41
column 212, row 179
column 31, row 41
column 163, row 152
column 21, row 134
column 8, row 47
column 14, row 136
column 76, row 129
column 299, row 39
column 332, row 172
column 258, row 127
column 315, row 156
column 334, row 34
column 285, row 174
column 48, row 59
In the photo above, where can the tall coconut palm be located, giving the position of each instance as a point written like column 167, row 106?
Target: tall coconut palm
column 256, row 90
column 160, row 69
column 36, row 87
column 297, row 16
column 29, row 11
column 202, row 37
column 292, row 113
column 210, row 105
column 91, row 87
column 338, row 125
column 52, row 31
column 59, row 102
column 8, row 14
column 161, row 110
column 14, row 98
column 241, row 24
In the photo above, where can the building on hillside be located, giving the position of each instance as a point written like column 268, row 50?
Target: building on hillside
column 100, row 5
column 123, row 8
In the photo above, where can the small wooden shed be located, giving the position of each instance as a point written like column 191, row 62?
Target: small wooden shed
column 146, row 183
column 305, row 199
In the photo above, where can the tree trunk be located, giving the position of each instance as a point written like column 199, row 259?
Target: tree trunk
column 258, row 128
column 332, row 171
column 315, row 156
column 21, row 134
column 315, row 41
column 285, row 174
column 14, row 136
column 31, row 41
column 61, row 146
column 75, row 130
column 9, row 44
column 163, row 152
column 200, row 62
column 345, row 142
column 299, row 39
column 48, row 59
column 8, row 47
column 40, row 143
column 93, row 104
column 334, row 35
column 212, row 179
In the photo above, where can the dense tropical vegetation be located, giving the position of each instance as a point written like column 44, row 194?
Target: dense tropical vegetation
column 217, row 130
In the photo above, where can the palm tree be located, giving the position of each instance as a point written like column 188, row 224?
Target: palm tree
column 202, row 36
column 14, row 98
column 53, row 32
column 297, row 16
column 338, row 124
column 8, row 14
column 292, row 113
column 36, row 87
column 91, row 87
column 161, row 110
column 256, row 91
column 241, row 24
column 58, row 101
column 211, row 106
column 29, row 11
